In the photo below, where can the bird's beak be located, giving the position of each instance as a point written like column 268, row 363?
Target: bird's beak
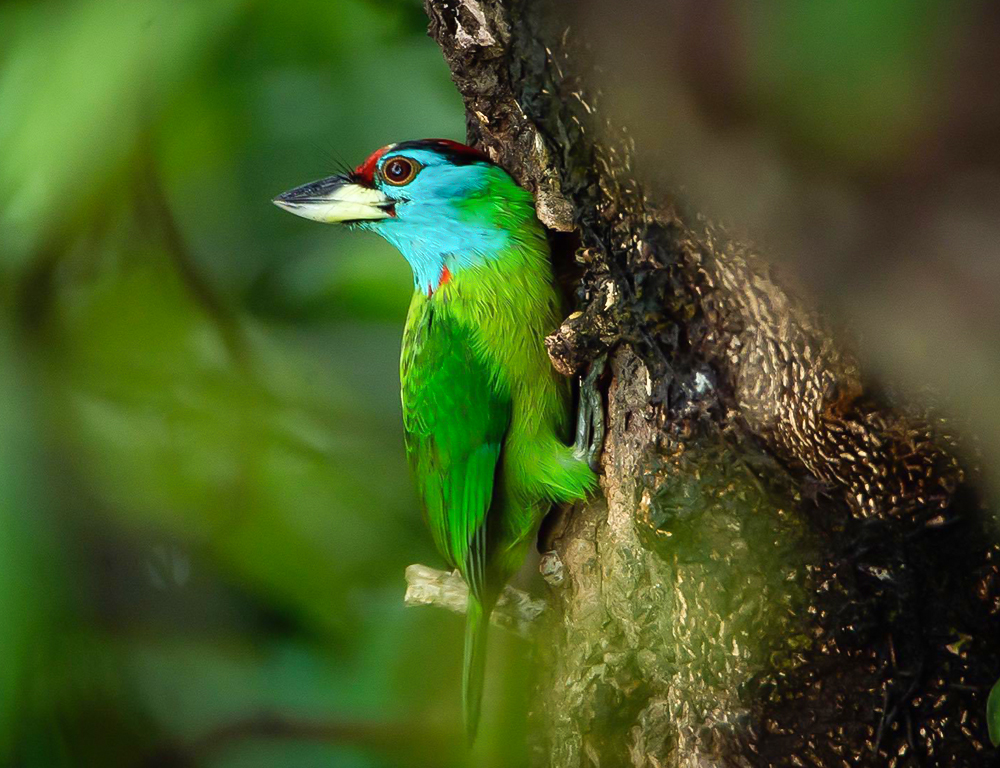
column 336, row 199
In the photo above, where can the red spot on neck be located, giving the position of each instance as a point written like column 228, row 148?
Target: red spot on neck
column 365, row 173
column 444, row 278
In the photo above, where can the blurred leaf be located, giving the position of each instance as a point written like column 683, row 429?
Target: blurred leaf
column 993, row 714
column 75, row 84
column 24, row 590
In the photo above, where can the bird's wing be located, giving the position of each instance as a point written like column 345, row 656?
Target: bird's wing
column 455, row 418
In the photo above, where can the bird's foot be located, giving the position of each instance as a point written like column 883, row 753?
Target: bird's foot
column 590, row 418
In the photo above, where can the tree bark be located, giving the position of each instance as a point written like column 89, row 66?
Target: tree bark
column 785, row 568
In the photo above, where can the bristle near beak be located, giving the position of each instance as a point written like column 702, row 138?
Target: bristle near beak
column 336, row 199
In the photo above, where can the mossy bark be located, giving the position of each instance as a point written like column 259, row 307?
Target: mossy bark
column 783, row 569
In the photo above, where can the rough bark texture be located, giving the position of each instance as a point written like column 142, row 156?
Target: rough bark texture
column 786, row 570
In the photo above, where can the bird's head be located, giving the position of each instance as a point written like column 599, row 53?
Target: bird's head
column 444, row 205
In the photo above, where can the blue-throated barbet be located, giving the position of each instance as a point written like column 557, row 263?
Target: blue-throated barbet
column 485, row 416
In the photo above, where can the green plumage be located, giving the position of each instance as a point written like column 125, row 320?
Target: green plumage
column 486, row 417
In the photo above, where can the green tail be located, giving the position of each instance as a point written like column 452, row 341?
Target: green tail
column 477, row 626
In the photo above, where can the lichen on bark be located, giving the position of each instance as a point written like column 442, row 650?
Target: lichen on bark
column 684, row 591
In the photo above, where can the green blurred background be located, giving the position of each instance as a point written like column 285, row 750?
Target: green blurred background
column 205, row 507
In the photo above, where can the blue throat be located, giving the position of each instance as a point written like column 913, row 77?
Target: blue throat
column 431, row 243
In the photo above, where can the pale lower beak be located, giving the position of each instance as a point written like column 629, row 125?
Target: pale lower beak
column 336, row 199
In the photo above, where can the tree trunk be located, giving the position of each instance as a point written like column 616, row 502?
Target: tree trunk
column 785, row 568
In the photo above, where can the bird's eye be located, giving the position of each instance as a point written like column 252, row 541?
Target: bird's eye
column 400, row 171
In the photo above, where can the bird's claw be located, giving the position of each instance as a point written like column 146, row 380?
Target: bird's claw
column 590, row 418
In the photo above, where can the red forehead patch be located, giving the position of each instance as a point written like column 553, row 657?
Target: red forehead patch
column 365, row 173
column 453, row 151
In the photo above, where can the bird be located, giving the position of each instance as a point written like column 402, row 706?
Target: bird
column 486, row 418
